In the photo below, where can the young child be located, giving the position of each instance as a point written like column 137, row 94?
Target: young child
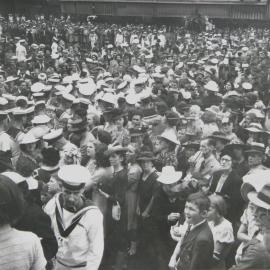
column 195, row 250
column 247, row 229
column 222, row 230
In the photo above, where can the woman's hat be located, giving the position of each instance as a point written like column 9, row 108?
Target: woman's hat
column 261, row 198
column 217, row 135
column 211, row 86
column 11, row 79
column 190, row 144
column 170, row 135
column 255, row 127
column 115, row 149
column 169, row 176
column 256, row 148
column 146, row 156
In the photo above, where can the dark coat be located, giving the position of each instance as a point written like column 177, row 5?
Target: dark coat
column 231, row 191
column 162, row 207
column 147, row 189
column 196, row 251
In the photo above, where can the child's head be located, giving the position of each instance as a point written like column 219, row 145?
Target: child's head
column 196, row 208
column 218, row 207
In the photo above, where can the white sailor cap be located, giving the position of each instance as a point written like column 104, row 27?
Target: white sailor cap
column 54, row 134
column 37, row 87
column 74, row 177
column 41, row 119
column 68, row 97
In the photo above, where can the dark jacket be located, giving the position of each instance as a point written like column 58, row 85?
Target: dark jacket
column 231, row 191
column 147, row 189
column 196, row 251
column 162, row 207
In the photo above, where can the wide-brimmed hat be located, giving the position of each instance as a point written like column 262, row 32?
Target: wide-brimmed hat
column 192, row 144
column 256, row 148
column 255, row 127
column 217, row 135
column 11, row 79
column 261, row 198
column 211, row 86
column 254, row 182
column 169, row 176
column 235, row 144
column 170, row 136
column 146, row 156
column 115, row 149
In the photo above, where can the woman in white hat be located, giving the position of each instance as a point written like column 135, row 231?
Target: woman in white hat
column 166, row 149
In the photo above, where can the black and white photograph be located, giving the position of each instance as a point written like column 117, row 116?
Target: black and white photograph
column 134, row 134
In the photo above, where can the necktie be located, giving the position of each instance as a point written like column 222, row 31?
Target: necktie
column 202, row 165
column 187, row 232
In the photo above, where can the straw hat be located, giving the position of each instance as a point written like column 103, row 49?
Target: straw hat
column 170, row 136
column 169, row 176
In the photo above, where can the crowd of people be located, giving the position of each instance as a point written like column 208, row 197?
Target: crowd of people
column 133, row 146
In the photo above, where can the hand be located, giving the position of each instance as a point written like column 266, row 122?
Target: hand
column 145, row 215
column 173, row 216
column 133, row 248
column 138, row 211
column 175, row 233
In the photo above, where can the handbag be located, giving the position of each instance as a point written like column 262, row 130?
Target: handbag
column 116, row 211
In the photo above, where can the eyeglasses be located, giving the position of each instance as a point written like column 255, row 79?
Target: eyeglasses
column 225, row 160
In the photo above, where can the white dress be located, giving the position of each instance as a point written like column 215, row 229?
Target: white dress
column 223, row 232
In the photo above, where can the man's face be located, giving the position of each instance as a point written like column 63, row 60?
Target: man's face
column 193, row 214
column 205, row 148
column 254, row 159
column 136, row 120
column 72, row 199
column 146, row 165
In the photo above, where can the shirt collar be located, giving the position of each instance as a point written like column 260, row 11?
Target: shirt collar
column 197, row 225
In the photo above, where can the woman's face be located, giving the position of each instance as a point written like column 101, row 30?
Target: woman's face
column 90, row 120
column 90, row 150
column 30, row 147
column 131, row 154
column 226, row 163
column 227, row 128
column 115, row 159
column 119, row 122
column 212, row 213
column 228, row 86
column 161, row 145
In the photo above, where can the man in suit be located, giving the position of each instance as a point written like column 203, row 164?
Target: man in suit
column 204, row 163
column 195, row 249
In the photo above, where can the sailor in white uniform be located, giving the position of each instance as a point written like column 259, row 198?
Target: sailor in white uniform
column 77, row 223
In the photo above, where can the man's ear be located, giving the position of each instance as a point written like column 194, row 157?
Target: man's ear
column 204, row 213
